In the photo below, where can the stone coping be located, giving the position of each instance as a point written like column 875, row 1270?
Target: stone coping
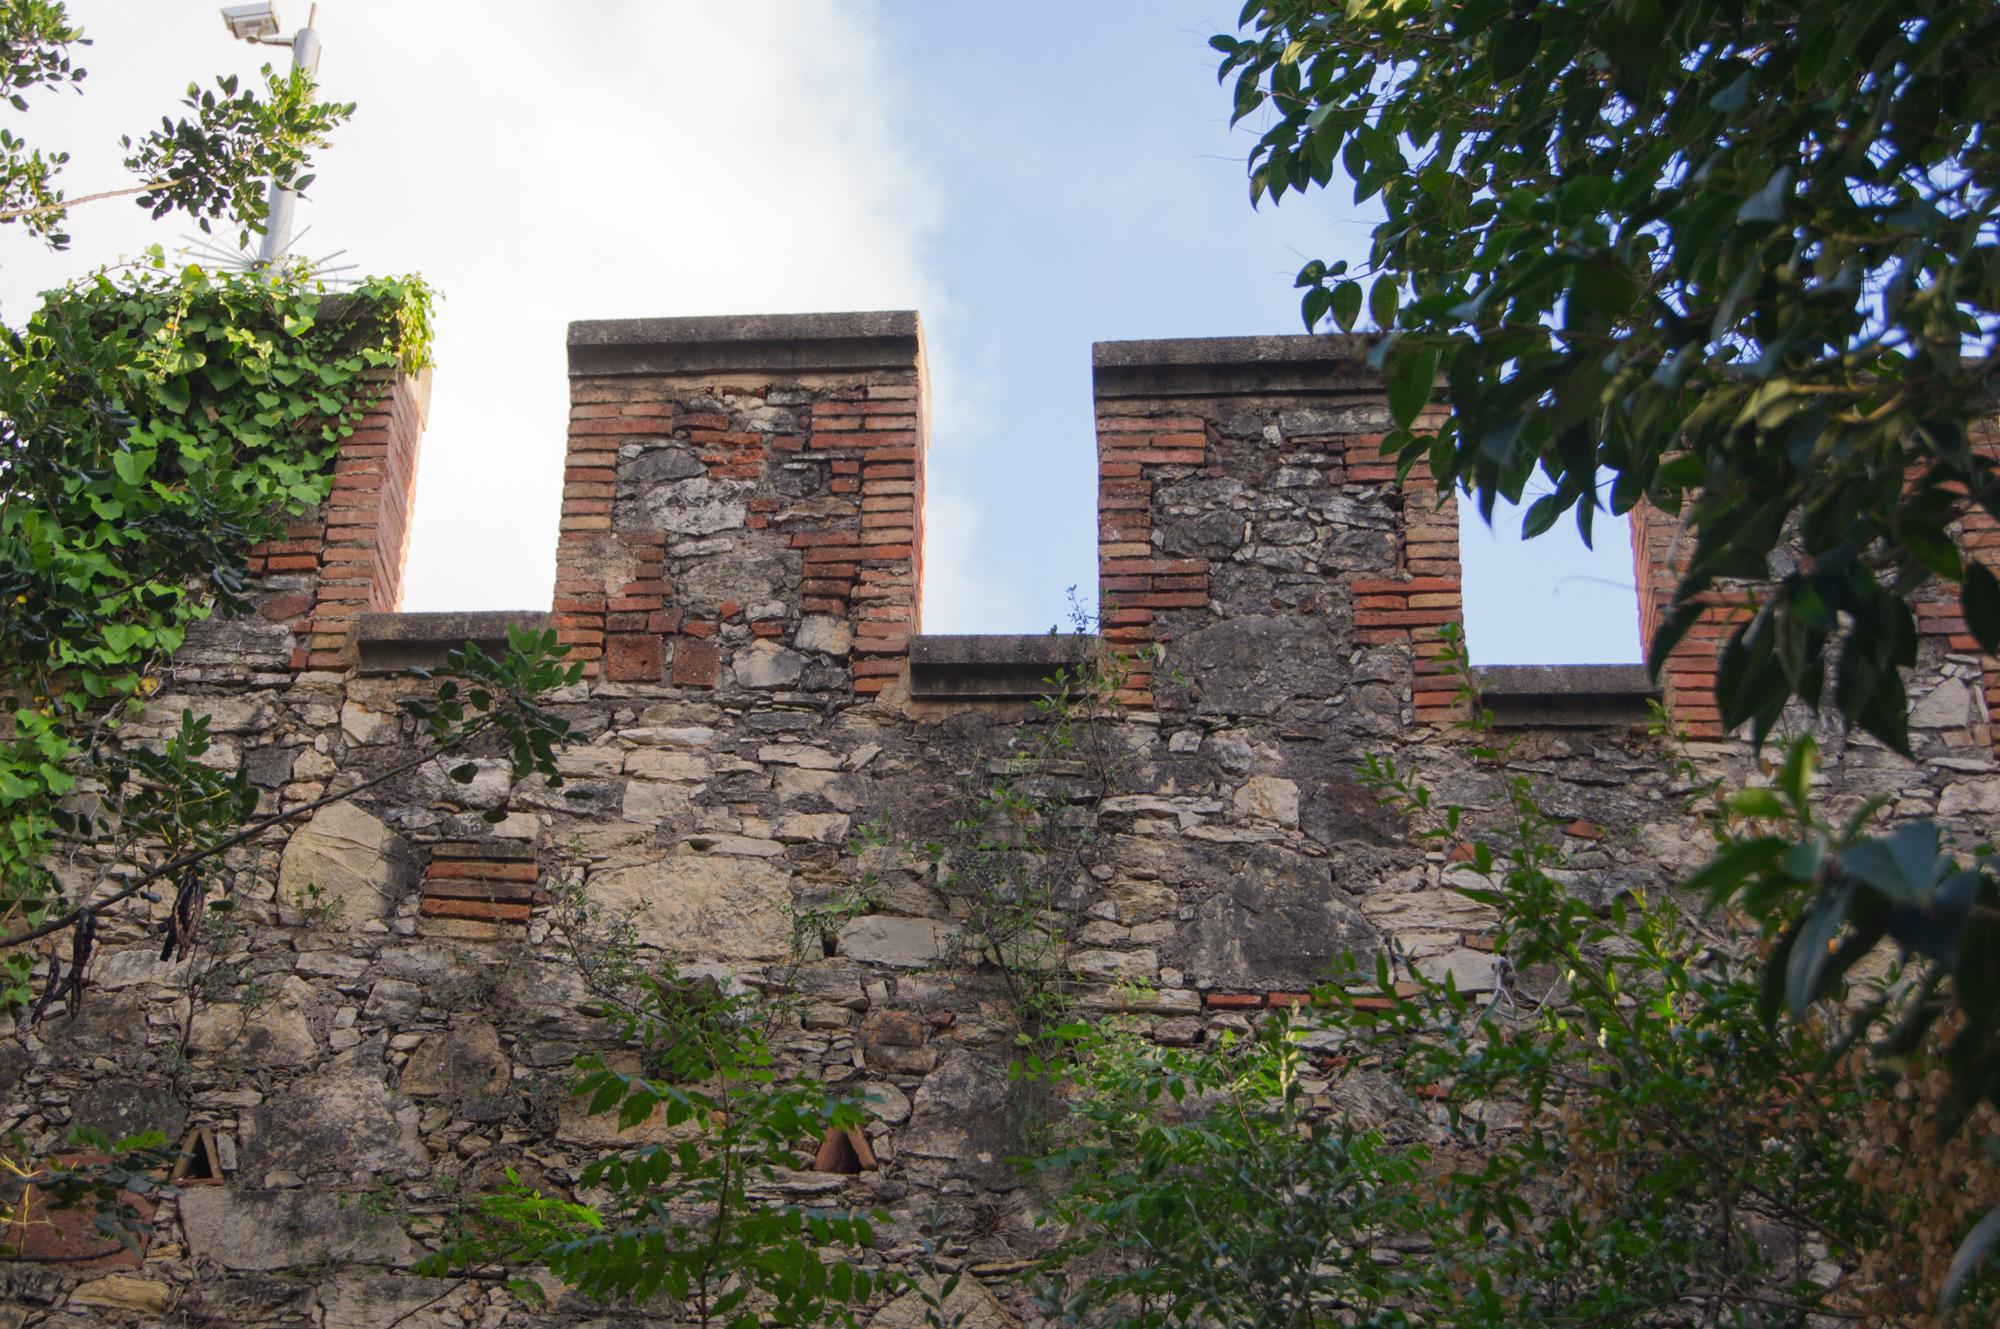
column 394, row 643
column 1223, row 366
column 882, row 339
column 992, row 666
column 1557, row 696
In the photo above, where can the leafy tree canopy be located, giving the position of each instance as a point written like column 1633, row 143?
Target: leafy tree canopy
column 1738, row 255
column 212, row 163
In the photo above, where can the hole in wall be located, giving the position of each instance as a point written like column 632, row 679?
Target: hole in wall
column 1552, row 599
column 198, row 1163
column 844, row 1150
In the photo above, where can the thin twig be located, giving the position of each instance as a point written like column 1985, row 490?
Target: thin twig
column 228, row 842
column 64, row 205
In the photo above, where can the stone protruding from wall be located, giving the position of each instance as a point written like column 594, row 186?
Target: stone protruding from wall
column 346, row 558
column 743, row 500
column 1247, row 518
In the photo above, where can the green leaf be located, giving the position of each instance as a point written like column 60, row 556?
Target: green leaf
column 1541, row 515
column 132, row 466
column 1904, row 865
column 1412, row 378
column 1382, row 302
column 1513, row 46
column 1768, row 203
column 1805, row 967
column 1313, row 307
column 1346, row 301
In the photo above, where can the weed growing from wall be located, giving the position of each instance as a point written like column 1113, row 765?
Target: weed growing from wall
column 683, row 1221
column 1013, row 865
column 1620, row 1133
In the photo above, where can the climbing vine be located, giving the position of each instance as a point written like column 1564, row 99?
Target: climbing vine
column 1012, row 865
column 155, row 424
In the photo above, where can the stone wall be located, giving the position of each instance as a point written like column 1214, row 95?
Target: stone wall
column 740, row 560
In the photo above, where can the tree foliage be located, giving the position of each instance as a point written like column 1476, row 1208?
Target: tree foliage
column 1616, row 1136
column 157, row 424
column 1740, row 256
column 154, row 425
column 211, row 163
column 685, row 1217
column 1205, row 1186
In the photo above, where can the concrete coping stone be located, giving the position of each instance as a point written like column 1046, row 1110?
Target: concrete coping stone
column 1558, row 696
column 880, row 339
column 994, row 666
column 1233, row 366
column 395, row 643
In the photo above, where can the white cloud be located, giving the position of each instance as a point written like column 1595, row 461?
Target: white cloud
column 538, row 164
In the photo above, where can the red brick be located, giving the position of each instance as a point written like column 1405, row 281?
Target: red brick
column 481, row 870
column 1378, row 618
column 697, row 663
column 490, row 911
column 1118, row 567
column 634, row 658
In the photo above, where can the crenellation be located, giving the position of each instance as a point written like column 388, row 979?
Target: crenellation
column 740, row 563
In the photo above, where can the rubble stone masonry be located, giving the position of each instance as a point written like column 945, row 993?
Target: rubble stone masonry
column 740, row 565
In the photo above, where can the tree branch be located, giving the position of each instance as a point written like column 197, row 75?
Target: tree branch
column 64, row 205
column 228, row 842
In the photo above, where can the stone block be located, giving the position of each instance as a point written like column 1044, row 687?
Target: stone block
column 466, row 1063
column 1266, row 917
column 703, row 906
column 124, row 1293
column 764, row 664
column 1268, row 798
column 276, row 1034
column 825, row 634
column 342, row 1121
column 965, row 1114
column 970, row 1306
column 359, row 868
column 666, row 764
column 365, row 1300
column 909, row 943
column 242, row 1229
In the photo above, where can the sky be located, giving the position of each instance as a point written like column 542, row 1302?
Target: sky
column 1031, row 177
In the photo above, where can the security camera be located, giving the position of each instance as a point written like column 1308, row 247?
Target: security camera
column 251, row 23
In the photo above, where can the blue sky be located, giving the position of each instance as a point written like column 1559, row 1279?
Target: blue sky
column 1032, row 177
column 1093, row 190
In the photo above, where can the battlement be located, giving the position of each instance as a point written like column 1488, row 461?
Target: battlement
column 740, row 561
column 743, row 509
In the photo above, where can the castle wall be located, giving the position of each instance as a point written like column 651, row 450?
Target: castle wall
column 387, row 1024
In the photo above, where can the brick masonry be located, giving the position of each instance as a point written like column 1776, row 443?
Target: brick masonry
column 740, row 562
column 352, row 550
column 1950, row 660
column 742, row 520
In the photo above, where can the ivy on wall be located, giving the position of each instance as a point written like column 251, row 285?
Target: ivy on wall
column 156, row 423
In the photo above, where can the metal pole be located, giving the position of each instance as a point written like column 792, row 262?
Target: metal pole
column 279, row 202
